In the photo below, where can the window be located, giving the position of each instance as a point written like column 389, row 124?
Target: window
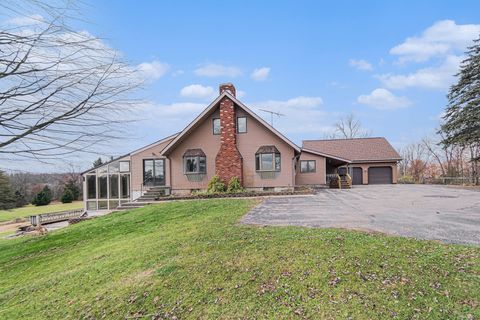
column 113, row 184
column 102, row 187
column 216, row 126
column 125, row 186
column 91, row 187
column 307, row 166
column 267, row 158
column 154, row 172
column 124, row 166
column 241, row 124
column 113, row 167
column 195, row 164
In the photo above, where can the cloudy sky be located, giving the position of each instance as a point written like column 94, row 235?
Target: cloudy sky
column 388, row 62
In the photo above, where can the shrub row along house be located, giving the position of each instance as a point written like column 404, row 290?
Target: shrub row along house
column 229, row 140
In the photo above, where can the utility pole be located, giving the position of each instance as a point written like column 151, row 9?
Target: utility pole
column 272, row 113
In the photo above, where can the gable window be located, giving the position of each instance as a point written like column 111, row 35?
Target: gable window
column 241, row 124
column 307, row 166
column 194, row 161
column 267, row 158
column 216, row 126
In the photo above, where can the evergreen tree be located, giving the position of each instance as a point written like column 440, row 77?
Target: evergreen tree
column 7, row 200
column 20, row 200
column 461, row 125
column 67, row 196
column 97, row 162
column 43, row 198
column 74, row 189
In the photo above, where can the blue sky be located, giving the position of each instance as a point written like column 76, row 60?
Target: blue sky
column 388, row 62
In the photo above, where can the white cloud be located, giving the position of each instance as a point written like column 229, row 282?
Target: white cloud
column 440, row 77
column 178, row 73
column 218, row 70
column 301, row 114
column 240, row 94
column 25, row 20
column 384, row 100
column 197, row 91
column 442, row 38
column 154, row 70
column 260, row 74
column 361, row 64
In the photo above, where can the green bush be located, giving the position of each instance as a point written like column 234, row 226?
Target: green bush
column 406, row 180
column 215, row 185
column 20, row 200
column 75, row 189
column 43, row 198
column 67, row 196
column 234, row 186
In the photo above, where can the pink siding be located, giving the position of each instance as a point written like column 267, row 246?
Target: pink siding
column 203, row 138
column 248, row 143
column 313, row 178
column 136, row 165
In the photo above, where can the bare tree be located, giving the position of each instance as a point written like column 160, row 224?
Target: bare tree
column 61, row 91
column 349, row 127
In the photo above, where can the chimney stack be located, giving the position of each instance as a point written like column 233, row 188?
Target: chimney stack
column 228, row 162
column 228, row 87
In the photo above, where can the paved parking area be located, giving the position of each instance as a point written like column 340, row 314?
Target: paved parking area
column 420, row 211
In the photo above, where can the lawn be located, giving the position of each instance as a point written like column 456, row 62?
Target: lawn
column 192, row 260
column 29, row 210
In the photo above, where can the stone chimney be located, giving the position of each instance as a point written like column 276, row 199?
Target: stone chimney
column 228, row 162
column 228, row 87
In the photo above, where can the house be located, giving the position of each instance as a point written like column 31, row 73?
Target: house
column 229, row 140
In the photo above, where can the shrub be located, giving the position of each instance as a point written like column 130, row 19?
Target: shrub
column 234, row 186
column 43, row 198
column 74, row 189
column 215, row 185
column 67, row 196
column 20, row 200
column 406, row 180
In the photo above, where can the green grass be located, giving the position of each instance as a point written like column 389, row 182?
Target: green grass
column 30, row 210
column 193, row 260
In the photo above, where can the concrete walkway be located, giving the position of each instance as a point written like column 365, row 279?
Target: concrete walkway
column 420, row 211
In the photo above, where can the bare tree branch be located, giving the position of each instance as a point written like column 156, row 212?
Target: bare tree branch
column 61, row 91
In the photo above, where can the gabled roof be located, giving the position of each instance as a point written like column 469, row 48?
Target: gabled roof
column 154, row 144
column 210, row 109
column 133, row 152
column 356, row 150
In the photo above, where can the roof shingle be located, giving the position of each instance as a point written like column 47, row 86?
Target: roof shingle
column 355, row 150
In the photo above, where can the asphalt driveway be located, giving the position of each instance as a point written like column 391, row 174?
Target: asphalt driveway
column 420, row 211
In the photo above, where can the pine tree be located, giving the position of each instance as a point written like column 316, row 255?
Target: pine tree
column 43, row 198
column 461, row 125
column 74, row 189
column 97, row 162
column 7, row 200
column 67, row 196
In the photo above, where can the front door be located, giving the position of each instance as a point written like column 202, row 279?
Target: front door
column 357, row 175
column 154, row 172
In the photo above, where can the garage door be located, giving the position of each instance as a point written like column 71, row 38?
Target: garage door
column 357, row 176
column 379, row 175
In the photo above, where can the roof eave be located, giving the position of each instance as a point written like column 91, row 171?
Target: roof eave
column 207, row 110
column 326, row 155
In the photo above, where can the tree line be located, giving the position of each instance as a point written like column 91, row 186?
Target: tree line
column 21, row 188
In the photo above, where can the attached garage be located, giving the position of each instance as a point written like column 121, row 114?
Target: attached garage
column 357, row 175
column 380, row 175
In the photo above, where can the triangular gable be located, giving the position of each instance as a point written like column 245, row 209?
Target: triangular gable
column 205, row 113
